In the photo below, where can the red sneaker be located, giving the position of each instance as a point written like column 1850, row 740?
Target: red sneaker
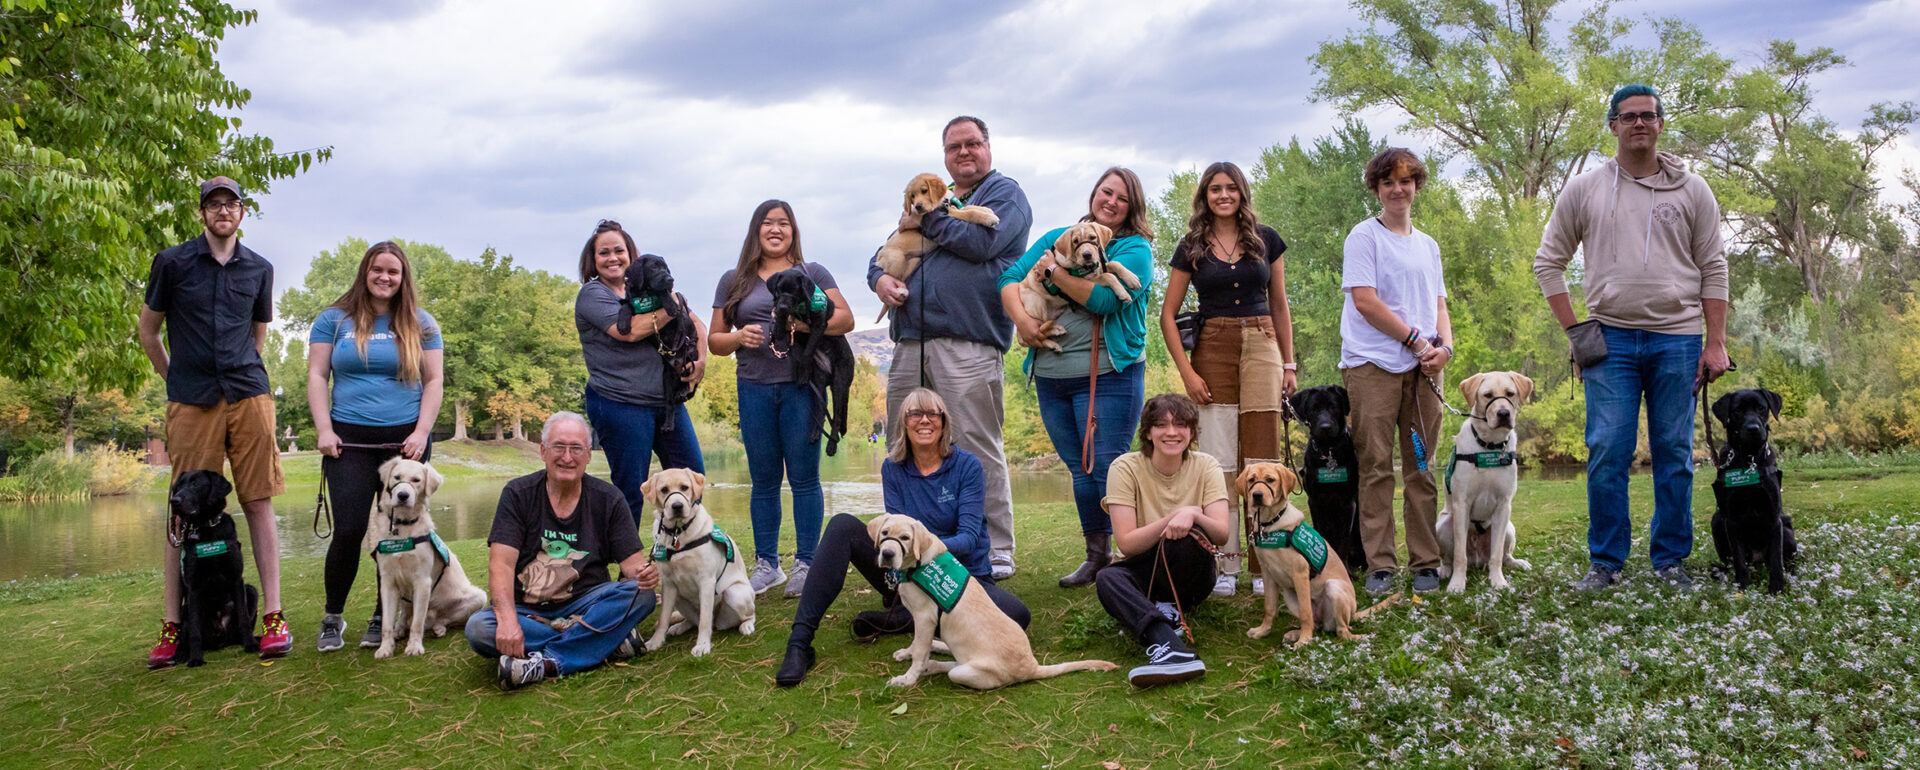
column 277, row 640
column 162, row 654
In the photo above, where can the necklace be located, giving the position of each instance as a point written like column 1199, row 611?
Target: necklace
column 1228, row 256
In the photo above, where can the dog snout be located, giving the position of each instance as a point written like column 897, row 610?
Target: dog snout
column 1503, row 417
column 403, row 495
column 1258, row 496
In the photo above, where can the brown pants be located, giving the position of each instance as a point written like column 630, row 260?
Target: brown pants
column 1229, row 355
column 207, row 438
column 1385, row 407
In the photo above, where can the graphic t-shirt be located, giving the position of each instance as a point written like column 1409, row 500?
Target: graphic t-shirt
column 368, row 391
column 561, row 559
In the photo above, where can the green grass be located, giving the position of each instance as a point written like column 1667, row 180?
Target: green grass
column 1536, row 676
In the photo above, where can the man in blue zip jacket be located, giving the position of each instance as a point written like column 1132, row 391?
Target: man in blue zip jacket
column 949, row 330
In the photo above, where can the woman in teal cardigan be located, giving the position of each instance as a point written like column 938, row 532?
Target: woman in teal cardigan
column 1112, row 404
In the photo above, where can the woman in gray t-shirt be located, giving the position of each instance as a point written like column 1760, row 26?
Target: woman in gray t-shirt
column 776, row 410
column 626, row 398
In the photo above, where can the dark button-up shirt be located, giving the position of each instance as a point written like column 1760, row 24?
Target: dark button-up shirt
column 211, row 309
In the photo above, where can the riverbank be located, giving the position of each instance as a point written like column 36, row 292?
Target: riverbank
column 1536, row 676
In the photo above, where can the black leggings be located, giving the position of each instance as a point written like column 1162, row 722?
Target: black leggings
column 352, row 480
column 1128, row 588
column 845, row 542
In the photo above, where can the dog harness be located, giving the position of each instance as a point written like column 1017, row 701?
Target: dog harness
column 717, row 538
column 1491, row 456
column 944, row 579
column 645, row 303
column 405, row 544
column 1731, row 477
column 1304, row 539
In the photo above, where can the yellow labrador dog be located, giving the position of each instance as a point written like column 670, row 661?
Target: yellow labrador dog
column 1477, row 527
column 703, row 575
column 990, row 650
column 1081, row 250
column 421, row 582
column 1293, row 555
column 903, row 250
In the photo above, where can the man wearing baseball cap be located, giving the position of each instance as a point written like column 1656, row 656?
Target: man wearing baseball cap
column 215, row 298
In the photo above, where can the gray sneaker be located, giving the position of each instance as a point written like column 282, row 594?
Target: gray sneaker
column 333, row 631
column 797, row 581
column 515, row 673
column 371, row 638
column 1002, row 567
column 1426, row 580
column 629, row 648
column 1380, row 582
column 1225, row 584
column 766, row 574
column 1675, row 575
column 1597, row 577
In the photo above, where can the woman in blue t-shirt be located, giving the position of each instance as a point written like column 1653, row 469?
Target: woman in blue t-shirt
column 386, row 393
column 776, row 410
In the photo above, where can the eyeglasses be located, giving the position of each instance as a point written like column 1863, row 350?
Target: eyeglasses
column 971, row 145
column 1634, row 118
column 229, row 207
column 569, row 449
column 917, row 415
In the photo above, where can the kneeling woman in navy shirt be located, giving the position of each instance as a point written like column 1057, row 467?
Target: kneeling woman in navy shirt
column 925, row 477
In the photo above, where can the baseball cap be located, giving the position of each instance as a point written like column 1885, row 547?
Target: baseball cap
column 219, row 183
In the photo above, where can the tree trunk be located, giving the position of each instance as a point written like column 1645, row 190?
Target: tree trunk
column 519, row 430
column 66, row 423
column 460, row 420
column 499, row 429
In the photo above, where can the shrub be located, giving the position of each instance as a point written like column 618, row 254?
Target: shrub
column 114, row 471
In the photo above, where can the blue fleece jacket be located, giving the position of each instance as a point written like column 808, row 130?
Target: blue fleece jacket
column 951, row 502
column 1123, row 325
column 953, row 294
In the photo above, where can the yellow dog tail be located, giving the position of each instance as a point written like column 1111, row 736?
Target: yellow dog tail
column 1057, row 669
column 1391, row 598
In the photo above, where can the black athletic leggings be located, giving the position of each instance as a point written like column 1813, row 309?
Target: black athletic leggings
column 845, row 542
column 1129, row 588
column 353, row 479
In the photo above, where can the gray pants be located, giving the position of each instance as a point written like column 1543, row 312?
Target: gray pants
column 967, row 375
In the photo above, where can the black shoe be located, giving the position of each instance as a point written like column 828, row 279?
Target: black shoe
column 1099, row 555
column 1169, row 659
column 1426, row 581
column 870, row 625
column 794, row 669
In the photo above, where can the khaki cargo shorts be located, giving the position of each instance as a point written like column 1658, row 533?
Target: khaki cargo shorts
column 207, row 438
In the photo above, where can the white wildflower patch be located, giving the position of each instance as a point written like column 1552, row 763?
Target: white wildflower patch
column 1642, row 674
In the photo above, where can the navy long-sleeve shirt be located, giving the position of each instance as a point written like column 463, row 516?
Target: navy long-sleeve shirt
column 955, row 292
column 950, row 501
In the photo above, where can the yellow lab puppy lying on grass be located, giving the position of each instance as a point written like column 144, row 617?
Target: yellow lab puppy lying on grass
column 989, row 649
column 1293, row 556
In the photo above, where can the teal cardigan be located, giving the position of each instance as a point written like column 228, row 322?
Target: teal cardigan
column 1123, row 328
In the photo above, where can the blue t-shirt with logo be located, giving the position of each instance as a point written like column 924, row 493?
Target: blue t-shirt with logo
column 951, row 501
column 368, row 391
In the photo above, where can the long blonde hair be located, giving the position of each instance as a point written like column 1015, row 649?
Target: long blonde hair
column 921, row 398
column 404, row 318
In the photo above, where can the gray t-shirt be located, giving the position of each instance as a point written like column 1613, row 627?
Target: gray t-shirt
column 1071, row 361
column 627, row 372
column 759, row 365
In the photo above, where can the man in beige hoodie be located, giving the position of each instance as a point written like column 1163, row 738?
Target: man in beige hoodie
column 1655, row 279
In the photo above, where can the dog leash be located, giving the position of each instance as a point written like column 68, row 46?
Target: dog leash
column 1160, row 565
column 1706, row 421
column 1093, row 383
column 321, row 508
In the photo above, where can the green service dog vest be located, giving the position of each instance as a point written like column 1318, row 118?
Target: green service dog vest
column 405, row 544
column 1495, row 459
column 1304, row 539
column 944, row 579
column 716, row 537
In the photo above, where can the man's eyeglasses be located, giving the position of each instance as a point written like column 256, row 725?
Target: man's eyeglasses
column 917, row 415
column 1633, row 118
column 971, row 145
column 569, row 449
column 228, row 207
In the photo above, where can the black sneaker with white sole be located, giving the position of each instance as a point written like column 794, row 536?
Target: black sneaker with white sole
column 1167, row 663
column 333, row 631
column 371, row 638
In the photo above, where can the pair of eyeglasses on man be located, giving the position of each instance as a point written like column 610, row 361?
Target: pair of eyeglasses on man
column 917, row 415
column 1632, row 118
column 569, row 449
column 224, row 206
column 969, row 146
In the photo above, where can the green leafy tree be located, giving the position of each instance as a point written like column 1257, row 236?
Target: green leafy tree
column 110, row 113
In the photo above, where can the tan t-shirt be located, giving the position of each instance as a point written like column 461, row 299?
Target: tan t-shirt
column 1131, row 480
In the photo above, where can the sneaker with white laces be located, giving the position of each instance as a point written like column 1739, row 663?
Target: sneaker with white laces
column 629, row 648
column 333, row 633
column 1224, row 585
column 515, row 673
column 1167, row 663
column 797, row 580
column 766, row 574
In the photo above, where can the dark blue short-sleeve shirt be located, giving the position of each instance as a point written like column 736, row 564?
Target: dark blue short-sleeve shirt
column 211, row 309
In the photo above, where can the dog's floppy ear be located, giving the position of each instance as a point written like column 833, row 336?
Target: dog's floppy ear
column 1774, row 402
column 925, row 545
column 1103, row 234
column 217, row 493
column 1346, row 407
column 1723, row 408
column 1469, row 389
column 386, row 470
column 1289, row 481
column 699, row 485
column 434, row 479
column 646, row 489
column 1524, row 385
column 1243, row 481
column 1295, row 402
column 1063, row 245
column 873, row 527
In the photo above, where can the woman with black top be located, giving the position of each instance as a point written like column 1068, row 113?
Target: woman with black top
column 1242, row 368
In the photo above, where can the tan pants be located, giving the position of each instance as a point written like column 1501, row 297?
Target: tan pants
column 1385, row 407
column 967, row 375
column 1239, row 360
column 207, row 438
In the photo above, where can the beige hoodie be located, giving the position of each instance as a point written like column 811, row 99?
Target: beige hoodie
column 1652, row 247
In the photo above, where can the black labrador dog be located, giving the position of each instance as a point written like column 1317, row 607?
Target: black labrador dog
column 217, row 607
column 650, row 288
column 1749, row 525
column 824, row 362
column 1331, row 472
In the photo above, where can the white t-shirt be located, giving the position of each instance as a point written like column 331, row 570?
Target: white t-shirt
column 1405, row 271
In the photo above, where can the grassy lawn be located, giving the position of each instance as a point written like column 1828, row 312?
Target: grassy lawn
column 1538, row 676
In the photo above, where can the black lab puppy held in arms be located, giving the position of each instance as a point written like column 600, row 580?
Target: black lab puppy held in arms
column 217, row 607
column 824, row 362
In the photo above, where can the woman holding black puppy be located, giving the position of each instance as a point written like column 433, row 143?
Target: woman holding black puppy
column 776, row 410
column 626, row 396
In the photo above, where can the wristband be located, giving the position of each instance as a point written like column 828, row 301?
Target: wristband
column 1290, row 366
column 1412, row 334
column 1448, row 348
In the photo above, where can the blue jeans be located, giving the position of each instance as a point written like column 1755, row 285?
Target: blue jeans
column 631, row 435
column 1116, row 408
column 1661, row 368
column 776, row 423
column 615, row 607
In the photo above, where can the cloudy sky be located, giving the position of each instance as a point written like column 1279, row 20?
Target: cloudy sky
column 514, row 125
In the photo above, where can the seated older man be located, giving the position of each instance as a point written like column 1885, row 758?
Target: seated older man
column 554, row 534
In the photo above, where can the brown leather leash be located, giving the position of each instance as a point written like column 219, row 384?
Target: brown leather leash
column 321, row 509
column 1160, row 565
column 1093, row 384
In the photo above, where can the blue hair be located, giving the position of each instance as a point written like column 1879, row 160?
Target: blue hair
column 1628, row 91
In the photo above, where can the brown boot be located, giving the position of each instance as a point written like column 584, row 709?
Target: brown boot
column 1097, row 557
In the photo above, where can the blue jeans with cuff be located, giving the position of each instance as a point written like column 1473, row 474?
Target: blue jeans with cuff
column 631, row 435
column 614, row 607
column 776, row 424
column 1658, row 368
column 1117, row 400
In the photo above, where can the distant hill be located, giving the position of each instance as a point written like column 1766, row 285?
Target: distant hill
column 873, row 345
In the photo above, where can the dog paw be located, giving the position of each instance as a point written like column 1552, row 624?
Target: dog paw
column 1259, row 632
column 903, row 680
column 1443, row 571
column 1518, row 564
column 654, row 644
column 746, row 627
column 903, row 654
column 385, row 652
column 414, row 647
column 700, row 650
column 1498, row 583
column 1458, row 585
column 1302, row 642
column 439, row 631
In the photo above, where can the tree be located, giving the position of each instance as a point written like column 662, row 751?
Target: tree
column 110, row 113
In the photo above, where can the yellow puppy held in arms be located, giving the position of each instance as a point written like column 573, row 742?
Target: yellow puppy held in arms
column 902, row 253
